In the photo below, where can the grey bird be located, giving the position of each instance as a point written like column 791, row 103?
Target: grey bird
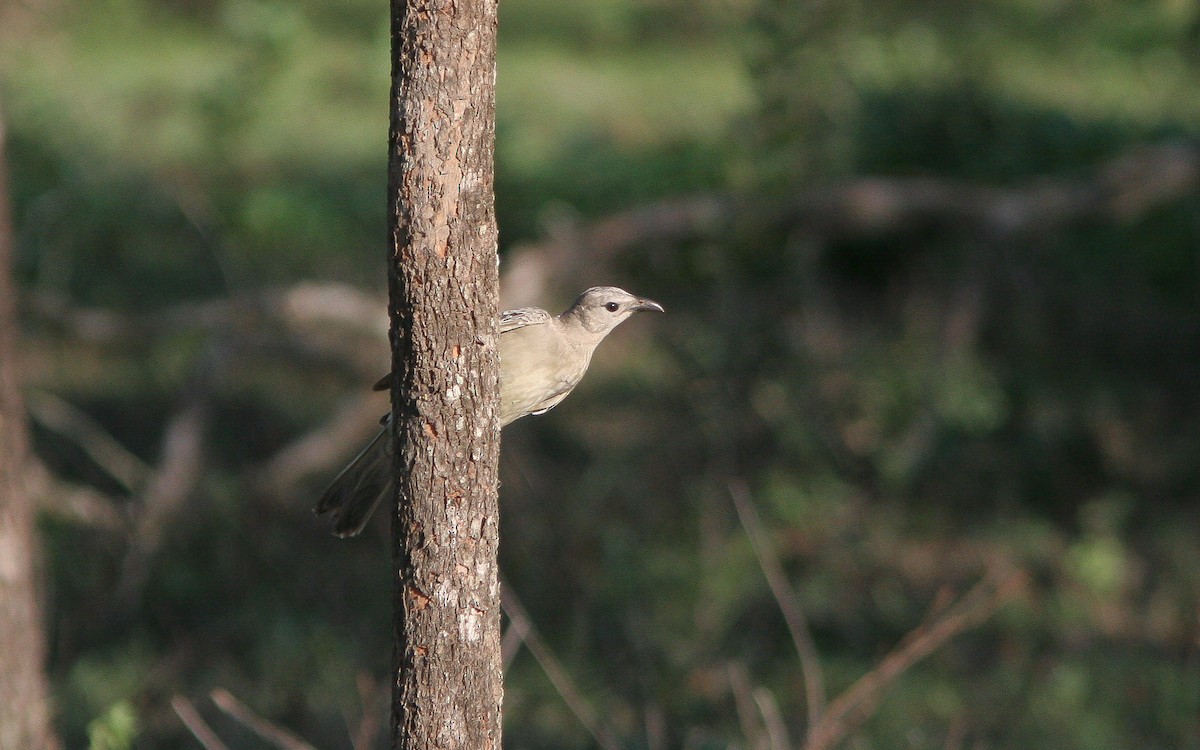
column 542, row 358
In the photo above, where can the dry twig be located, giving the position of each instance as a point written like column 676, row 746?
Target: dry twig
column 861, row 699
column 77, row 426
column 656, row 727
column 520, row 622
column 946, row 618
column 372, row 697
column 321, row 448
column 195, row 723
column 768, row 708
column 75, row 502
column 173, row 481
column 786, row 599
column 743, row 706
column 273, row 733
column 510, row 645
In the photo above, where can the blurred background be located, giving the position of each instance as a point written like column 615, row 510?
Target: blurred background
column 932, row 285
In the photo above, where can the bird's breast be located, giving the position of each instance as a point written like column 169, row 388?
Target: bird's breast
column 536, row 371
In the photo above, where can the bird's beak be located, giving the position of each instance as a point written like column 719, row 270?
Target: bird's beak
column 647, row 305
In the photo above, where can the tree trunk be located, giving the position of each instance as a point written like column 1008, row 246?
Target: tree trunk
column 24, row 701
column 443, row 295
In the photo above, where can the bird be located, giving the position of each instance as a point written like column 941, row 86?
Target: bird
column 542, row 358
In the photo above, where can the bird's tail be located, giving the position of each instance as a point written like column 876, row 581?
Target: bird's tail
column 354, row 493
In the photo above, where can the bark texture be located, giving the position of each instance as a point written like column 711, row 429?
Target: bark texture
column 443, row 297
column 24, row 702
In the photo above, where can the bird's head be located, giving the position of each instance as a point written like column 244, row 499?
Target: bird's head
column 602, row 308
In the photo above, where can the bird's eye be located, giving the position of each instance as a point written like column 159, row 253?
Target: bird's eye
column 612, row 306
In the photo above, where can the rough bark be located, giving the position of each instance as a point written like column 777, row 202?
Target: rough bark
column 443, row 298
column 24, row 701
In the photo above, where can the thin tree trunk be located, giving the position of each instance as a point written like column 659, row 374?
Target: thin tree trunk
column 443, row 292
column 24, row 701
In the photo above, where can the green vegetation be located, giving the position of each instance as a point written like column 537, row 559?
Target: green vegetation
column 907, row 407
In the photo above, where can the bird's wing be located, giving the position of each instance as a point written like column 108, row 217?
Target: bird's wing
column 511, row 320
column 549, row 404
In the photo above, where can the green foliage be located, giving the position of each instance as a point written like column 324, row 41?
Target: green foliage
column 115, row 730
column 844, row 86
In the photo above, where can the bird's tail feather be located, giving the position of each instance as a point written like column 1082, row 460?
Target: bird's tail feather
column 358, row 488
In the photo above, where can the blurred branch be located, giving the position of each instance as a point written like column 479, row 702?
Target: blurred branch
column 768, row 708
column 510, row 645
column 1120, row 190
column 174, row 479
column 77, row 503
column 785, row 597
column 178, row 473
column 272, row 733
column 956, row 734
column 656, row 726
column 743, row 706
column 530, row 268
column 861, row 699
column 97, row 325
column 322, row 448
column 373, row 697
column 301, row 305
column 757, row 711
column 520, row 622
column 73, row 423
column 319, row 323
column 315, row 319
column 239, row 712
column 195, row 724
